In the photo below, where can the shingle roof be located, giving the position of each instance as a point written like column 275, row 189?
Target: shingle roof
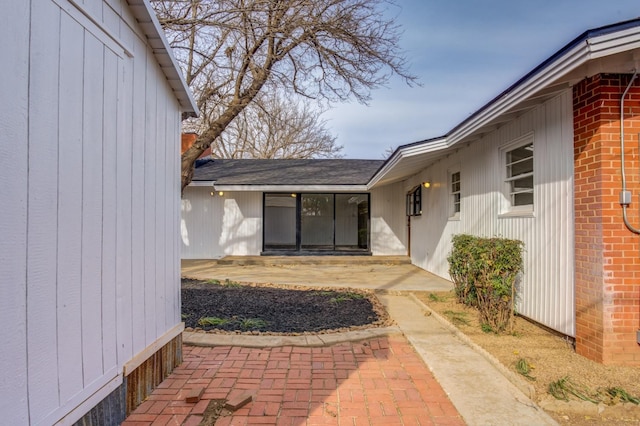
column 287, row 172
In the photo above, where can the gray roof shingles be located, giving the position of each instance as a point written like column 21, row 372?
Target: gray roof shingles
column 286, row 172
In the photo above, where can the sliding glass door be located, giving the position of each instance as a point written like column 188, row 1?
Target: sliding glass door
column 310, row 223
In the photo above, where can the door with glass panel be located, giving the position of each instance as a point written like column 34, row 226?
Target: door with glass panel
column 323, row 222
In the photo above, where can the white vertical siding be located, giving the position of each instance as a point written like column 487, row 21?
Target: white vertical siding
column 217, row 226
column 388, row 221
column 42, row 195
column 547, row 287
column 13, row 210
column 89, row 207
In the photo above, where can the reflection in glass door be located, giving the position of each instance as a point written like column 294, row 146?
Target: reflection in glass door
column 280, row 222
column 316, row 222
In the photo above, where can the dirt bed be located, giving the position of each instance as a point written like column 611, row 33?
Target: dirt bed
column 551, row 358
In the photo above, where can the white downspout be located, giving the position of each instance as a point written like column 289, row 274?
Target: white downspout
column 625, row 196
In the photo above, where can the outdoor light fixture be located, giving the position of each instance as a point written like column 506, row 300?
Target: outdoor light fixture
column 293, row 195
column 221, row 193
column 426, row 184
column 212, row 193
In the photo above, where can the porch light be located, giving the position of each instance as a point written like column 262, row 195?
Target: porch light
column 426, row 184
column 221, row 193
column 293, row 195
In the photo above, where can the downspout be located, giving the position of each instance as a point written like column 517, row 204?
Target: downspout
column 625, row 196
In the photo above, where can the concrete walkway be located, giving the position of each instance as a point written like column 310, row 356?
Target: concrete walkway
column 477, row 387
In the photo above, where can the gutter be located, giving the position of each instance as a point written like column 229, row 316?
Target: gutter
column 591, row 44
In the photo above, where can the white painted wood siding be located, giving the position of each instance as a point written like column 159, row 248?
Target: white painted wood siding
column 388, row 221
column 89, row 210
column 213, row 226
column 547, row 289
column 216, row 226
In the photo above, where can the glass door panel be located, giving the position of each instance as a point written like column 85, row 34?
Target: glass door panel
column 316, row 222
column 280, row 222
column 352, row 221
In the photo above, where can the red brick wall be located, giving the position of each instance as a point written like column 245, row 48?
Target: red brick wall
column 187, row 140
column 607, row 254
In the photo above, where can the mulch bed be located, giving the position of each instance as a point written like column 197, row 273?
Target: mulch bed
column 271, row 309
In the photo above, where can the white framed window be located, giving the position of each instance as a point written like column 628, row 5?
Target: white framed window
column 454, row 193
column 519, row 174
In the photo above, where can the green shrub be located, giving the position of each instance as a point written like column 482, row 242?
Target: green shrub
column 484, row 273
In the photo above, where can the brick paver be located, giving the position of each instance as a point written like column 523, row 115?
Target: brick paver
column 376, row 382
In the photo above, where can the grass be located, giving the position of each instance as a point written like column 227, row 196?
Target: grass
column 456, row 317
column 213, row 321
column 252, row 323
column 343, row 297
column 227, row 283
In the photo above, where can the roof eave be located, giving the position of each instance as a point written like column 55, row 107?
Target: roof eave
column 546, row 78
column 146, row 17
column 279, row 188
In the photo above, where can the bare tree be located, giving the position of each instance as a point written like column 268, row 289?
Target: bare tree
column 330, row 50
column 273, row 126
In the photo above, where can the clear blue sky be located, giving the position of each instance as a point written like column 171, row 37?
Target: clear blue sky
column 465, row 52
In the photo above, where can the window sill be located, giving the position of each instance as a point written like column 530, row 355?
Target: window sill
column 517, row 213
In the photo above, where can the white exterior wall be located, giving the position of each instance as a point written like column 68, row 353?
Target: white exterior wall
column 547, row 293
column 388, row 221
column 89, row 213
column 215, row 226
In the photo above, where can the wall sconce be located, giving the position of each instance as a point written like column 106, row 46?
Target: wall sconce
column 426, row 184
column 221, row 193
column 212, row 193
column 293, row 195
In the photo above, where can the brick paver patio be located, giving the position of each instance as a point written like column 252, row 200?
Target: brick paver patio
column 376, row 382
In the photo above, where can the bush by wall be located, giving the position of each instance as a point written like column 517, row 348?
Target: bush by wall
column 484, row 273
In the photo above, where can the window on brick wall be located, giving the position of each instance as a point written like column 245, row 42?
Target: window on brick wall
column 454, row 191
column 518, row 167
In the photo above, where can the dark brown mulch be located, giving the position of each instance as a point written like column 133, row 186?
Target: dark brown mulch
column 277, row 309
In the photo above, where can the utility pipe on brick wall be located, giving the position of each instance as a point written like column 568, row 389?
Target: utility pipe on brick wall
column 625, row 196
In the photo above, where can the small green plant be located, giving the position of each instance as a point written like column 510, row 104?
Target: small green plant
column 435, row 298
column 524, row 368
column 457, row 318
column 185, row 316
column 486, row 328
column 214, row 282
column 343, row 297
column 232, row 284
column 252, row 323
column 618, row 394
column 213, row 321
column 563, row 388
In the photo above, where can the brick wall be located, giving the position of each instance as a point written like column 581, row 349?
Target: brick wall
column 607, row 254
column 187, row 140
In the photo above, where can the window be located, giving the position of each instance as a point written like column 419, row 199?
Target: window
column 455, row 193
column 519, row 174
column 414, row 201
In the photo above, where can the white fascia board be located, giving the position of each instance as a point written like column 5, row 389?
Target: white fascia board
column 406, row 152
column 146, row 16
column 554, row 71
column 619, row 41
column 208, row 183
column 292, row 188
